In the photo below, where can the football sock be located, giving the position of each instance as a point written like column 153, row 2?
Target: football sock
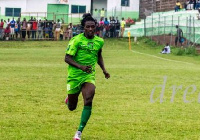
column 85, row 117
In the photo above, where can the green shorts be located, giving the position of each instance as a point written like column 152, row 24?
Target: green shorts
column 75, row 86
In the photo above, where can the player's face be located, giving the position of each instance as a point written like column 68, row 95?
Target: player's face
column 89, row 29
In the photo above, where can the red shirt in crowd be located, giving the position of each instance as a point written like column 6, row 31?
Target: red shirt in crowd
column 34, row 25
column 7, row 30
column 1, row 25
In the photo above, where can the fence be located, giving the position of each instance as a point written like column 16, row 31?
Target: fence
column 162, row 27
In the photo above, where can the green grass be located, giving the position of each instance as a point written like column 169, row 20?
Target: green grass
column 33, row 89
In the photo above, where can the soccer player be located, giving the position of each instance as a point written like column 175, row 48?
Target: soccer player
column 82, row 53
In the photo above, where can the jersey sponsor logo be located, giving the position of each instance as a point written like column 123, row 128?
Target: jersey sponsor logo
column 89, row 47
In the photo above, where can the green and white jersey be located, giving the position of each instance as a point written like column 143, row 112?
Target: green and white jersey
column 84, row 52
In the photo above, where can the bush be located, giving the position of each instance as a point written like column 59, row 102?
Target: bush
column 185, row 51
column 191, row 51
column 178, row 51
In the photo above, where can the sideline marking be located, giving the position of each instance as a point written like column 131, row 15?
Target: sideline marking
column 163, row 58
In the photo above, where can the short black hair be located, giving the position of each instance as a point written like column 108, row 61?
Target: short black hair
column 87, row 17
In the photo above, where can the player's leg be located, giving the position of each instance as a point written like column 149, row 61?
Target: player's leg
column 88, row 91
column 176, row 41
column 72, row 101
column 73, row 91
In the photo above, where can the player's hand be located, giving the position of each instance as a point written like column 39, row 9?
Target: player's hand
column 107, row 75
column 87, row 69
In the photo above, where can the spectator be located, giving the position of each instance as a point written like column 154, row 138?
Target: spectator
column 198, row 4
column 106, row 22
column 46, row 30
column 104, row 31
column 70, row 34
column 178, row 6
column 12, row 28
column 190, row 5
column 50, row 23
column 34, row 28
column 61, row 33
column 17, row 29
column 40, row 28
column 166, row 49
column 123, row 23
column 96, row 13
column 194, row 6
column 179, row 35
column 112, row 27
column 30, row 24
column 29, row 27
column 74, row 30
column 112, row 30
column 66, row 33
column 101, row 24
column 186, row 4
column 106, row 27
column 45, row 23
column 24, row 27
column 97, row 29
column 117, row 27
column 57, row 29
column 7, row 23
column 110, row 18
column 102, row 13
column 129, row 21
column 7, row 32
column 1, row 29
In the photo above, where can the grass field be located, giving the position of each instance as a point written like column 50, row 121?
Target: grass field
column 33, row 89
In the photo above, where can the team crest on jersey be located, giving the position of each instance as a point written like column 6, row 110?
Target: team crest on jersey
column 90, row 45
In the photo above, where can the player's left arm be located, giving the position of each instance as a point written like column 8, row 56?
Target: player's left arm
column 101, row 64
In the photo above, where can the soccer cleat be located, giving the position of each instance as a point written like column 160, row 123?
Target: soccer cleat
column 66, row 100
column 77, row 135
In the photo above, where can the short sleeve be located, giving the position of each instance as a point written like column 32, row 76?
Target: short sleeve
column 102, row 43
column 72, row 47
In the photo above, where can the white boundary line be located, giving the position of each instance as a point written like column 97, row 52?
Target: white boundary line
column 163, row 58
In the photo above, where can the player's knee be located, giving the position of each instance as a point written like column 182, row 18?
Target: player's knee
column 88, row 101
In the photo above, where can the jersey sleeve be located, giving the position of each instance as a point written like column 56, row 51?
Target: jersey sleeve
column 72, row 47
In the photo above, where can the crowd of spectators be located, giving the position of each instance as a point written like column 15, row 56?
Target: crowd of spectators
column 110, row 28
column 188, row 5
column 192, row 4
column 34, row 29
column 49, row 30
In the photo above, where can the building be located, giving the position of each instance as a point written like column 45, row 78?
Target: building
column 116, row 8
column 68, row 10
